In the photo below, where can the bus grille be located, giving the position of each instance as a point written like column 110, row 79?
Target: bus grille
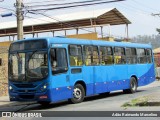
column 26, row 96
column 28, row 91
column 25, row 85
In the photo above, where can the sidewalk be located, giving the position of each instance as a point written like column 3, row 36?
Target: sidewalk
column 4, row 101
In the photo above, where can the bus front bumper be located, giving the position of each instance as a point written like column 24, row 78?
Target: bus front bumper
column 30, row 96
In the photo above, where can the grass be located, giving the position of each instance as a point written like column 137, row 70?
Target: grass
column 143, row 101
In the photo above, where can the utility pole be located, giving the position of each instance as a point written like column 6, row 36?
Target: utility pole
column 20, row 18
column 156, row 14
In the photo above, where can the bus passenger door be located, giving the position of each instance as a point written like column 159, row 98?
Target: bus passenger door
column 75, row 65
column 60, row 80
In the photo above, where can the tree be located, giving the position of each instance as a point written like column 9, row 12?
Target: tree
column 158, row 30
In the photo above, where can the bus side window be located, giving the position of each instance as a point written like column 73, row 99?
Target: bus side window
column 106, row 55
column 91, row 56
column 119, row 55
column 131, row 55
column 75, row 55
column 95, row 56
column 149, row 55
column 87, row 52
column 141, row 56
column 58, row 60
column 102, row 54
column 53, row 58
column 109, row 55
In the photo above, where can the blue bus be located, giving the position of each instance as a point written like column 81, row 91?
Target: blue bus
column 53, row 69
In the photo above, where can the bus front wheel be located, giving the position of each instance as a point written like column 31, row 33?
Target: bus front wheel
column 133, row 86
column 78, row 94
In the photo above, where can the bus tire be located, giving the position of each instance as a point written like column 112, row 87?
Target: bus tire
column 78, row 94
column 133, row 86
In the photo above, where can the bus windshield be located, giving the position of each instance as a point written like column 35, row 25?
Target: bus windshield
column 29, row 66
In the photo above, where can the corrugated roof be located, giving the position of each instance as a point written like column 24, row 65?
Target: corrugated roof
column 68, row 21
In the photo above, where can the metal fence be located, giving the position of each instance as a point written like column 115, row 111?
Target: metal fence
column 3, row 71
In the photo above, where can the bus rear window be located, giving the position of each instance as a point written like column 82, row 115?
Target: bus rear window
column 29, row 45
column 149, row 55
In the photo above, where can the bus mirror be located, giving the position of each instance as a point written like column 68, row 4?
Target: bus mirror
column 66, row 68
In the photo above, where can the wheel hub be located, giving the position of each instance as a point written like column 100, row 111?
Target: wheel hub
column 77, row 93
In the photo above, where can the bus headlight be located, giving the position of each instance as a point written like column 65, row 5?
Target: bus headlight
column 44, row 87
column 10, row 88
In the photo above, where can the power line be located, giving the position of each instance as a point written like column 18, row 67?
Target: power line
column 47, row 1
column 7, row 9
column 144, row 5
column 135, row 8
column 36, row 18
column 70, row 25
column 56, row 19
column 60, row 4
column 40, row 20
column 80, row 5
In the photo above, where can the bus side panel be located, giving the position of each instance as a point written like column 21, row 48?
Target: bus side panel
column 74, row 77
column 117, row 77
column 76, row 74
column 146, row 74
column 61, row 89
column 100, row 78
column 132, row 70
column 89, row 80
column 151, row 73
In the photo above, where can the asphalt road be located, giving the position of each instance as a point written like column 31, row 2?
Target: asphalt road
column 110, row 102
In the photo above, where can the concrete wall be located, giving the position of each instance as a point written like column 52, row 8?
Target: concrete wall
column 4, row 68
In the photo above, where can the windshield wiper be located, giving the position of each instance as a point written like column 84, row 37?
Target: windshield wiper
column 32, row 55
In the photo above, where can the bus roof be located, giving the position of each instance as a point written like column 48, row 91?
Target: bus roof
column 63, row 40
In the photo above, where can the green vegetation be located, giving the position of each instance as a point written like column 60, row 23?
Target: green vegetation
column 136, row 102
column 158, row 30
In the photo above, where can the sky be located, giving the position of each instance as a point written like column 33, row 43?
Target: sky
column 137, row 11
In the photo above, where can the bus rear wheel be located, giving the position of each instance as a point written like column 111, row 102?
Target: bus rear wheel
column 78, row 94
column 133, row 86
